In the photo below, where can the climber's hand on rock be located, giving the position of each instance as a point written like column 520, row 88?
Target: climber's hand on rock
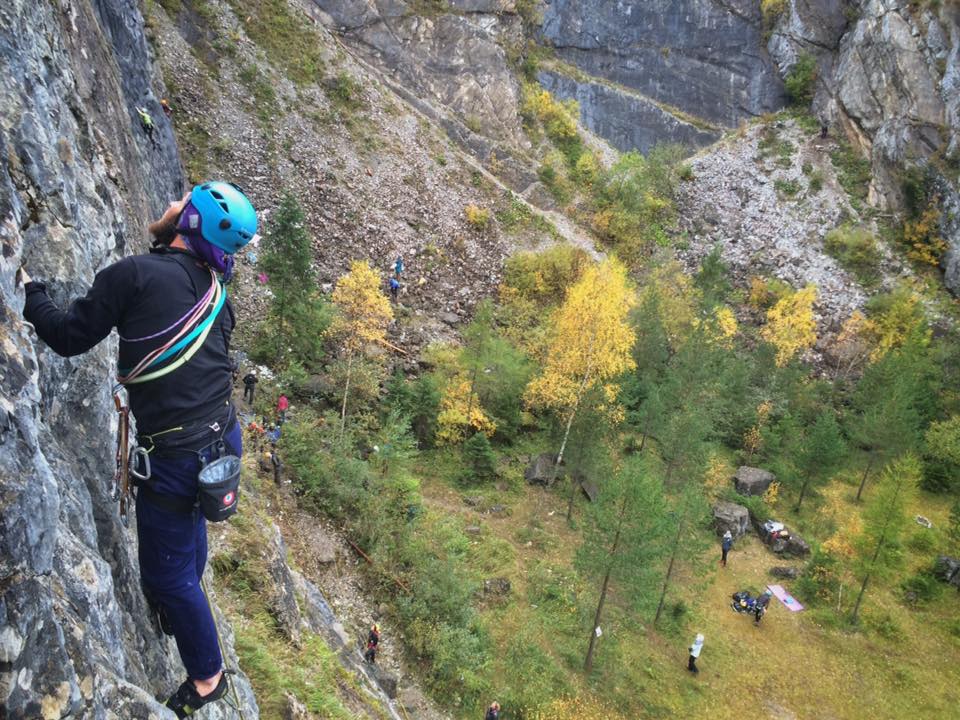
column 24, row 276
column 173, row 211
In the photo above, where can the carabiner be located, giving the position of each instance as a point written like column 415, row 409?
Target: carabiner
column 135, row 457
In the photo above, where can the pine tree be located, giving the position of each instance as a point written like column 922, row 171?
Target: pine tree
column 479, row 459
column 624, row 540
column 884, row 520
column 821, row 451
column 298, row 315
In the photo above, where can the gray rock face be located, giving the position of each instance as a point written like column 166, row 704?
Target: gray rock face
column 706, row 58
column 752, row 481
column 626, row 121
column 889, row 77
column 784, row 572
column 451, row 59
column 732, row 518
column 78, row 181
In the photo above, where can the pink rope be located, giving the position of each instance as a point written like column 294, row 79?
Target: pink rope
column 201, row 303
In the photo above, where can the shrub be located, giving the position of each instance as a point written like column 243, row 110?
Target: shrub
column 480, row 462
column 771, row 10
column 853, row 172
column 922, row 236
column 801, row 80
column 477, row 217
column 855, row 248
column 820, row 579
column 789, row 188
column 343, row 90
column 559, row 119
column 767, row 292
column 544, row 277
column 816, row 181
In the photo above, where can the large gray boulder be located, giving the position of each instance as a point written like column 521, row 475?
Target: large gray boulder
column 386, row 681
column 541, row 470
column 752, row 481
column 947, row 569
column 732, row 518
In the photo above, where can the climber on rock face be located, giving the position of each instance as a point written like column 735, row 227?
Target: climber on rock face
column 174, row 322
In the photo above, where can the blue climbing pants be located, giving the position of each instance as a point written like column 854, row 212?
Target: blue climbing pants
column 173, row 553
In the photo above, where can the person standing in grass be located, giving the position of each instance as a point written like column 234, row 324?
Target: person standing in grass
column 695, row 650
column 725, row 546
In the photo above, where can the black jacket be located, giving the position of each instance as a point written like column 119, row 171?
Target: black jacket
column 139, row 296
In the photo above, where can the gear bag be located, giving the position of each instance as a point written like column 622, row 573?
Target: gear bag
column 219, row 485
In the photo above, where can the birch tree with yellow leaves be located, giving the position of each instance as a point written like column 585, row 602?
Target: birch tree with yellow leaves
column 590, row 343
column 363, row 313
column 791, row 326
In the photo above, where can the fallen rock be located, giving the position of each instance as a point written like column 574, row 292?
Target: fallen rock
column 449, row 318
column 590, row 489
column 541, row 470
column 499, row 586
column 947, row 569
column 472, row 500
column 796, row 545
column 752, row 481
column 728, row 516
column 785, row 572
column 473, row 529
column 497, row 509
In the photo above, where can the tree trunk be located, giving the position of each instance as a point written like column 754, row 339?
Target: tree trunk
column 346, row 389
column 666, row 580
column 473, row 386
column 856, row 607
column 803, row 491
column 866, row 472
column 588, row 661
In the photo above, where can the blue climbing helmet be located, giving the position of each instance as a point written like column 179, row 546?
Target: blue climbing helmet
column 228, row 220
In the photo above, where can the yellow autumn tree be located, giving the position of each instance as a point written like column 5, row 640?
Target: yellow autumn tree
column 790, row 324
column 458, row 412
column 589, row 343
column 671, row 291
column 363, row 313
column 893, row 317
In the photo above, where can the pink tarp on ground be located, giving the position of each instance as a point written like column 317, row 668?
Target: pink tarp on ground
column 785, row 597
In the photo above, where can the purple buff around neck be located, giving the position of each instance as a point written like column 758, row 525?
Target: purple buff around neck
column 189, row 227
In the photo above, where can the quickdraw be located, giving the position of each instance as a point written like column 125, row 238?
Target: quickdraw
column 122, row 490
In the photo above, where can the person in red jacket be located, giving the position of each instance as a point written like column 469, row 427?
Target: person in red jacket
column 282, row 405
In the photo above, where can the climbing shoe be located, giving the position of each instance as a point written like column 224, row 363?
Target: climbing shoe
column 186, row 701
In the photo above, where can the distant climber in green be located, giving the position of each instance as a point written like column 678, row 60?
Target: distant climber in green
column 171, row 312
column 146, row 122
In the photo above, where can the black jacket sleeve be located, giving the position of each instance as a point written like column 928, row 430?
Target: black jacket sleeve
column 89, row 319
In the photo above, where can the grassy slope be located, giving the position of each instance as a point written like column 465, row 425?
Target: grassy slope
column 791, row 666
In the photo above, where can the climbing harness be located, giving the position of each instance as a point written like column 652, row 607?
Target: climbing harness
column 122, row 490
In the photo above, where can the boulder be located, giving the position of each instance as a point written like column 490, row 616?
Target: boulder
column 947, row 569
column 752, row 481
column 589, row 488
column 473, row 529
column 498, row 586
column 797, row 546
column 785, row 572
column 728, row 516
column 541, row 470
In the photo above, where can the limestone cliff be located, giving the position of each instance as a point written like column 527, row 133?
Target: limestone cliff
column 79, row 180
column 889, row 78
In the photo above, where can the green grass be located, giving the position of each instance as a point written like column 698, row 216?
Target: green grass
column 856, row 249
column 285, row 36
column 261, row 96
column 853, row 172
column 787, row 188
